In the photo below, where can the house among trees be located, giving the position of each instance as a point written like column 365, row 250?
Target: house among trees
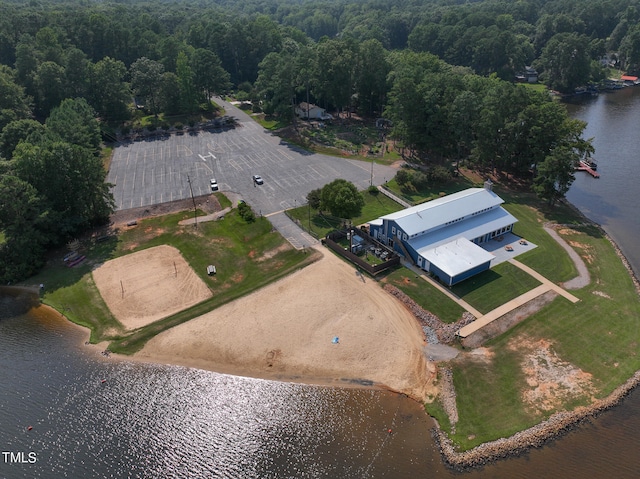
column 442, row 236
column 529, row 75
column 309, row 111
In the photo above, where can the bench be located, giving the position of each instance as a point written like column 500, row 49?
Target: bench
column 211, row 270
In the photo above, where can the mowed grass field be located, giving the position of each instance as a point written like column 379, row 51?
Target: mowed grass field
column 237, row 248
column 599, row 336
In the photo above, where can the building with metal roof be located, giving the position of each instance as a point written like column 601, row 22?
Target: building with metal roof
column 442, row 236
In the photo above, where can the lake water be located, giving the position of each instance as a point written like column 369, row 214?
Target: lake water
column 96, row 417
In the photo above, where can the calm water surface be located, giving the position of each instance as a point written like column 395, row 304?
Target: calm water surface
column 614, row 198
column 153, row 421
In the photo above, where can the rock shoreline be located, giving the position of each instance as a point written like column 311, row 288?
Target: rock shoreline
column 556, row 426
column 553, row 428
column 446, row 332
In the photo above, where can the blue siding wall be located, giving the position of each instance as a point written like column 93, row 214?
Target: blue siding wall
column 448, row 280
column 442, row 276
column 471, row 272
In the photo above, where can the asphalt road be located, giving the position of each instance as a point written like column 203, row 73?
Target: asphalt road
column 156, row 171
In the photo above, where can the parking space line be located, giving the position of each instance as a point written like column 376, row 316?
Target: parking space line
column 294, row 242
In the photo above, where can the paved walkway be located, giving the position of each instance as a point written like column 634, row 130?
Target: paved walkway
column 509, row 306
column 583, row 278
column 395, row 198
column 202, row 219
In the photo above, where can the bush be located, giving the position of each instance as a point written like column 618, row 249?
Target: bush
column 403, row 177
column 439, row 174
column 246, row 213
column 420, row 180
column 373, row 190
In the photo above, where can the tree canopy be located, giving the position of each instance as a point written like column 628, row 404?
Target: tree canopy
column 342, row 199
column 442, row 72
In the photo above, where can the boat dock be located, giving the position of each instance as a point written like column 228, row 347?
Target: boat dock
column 584, row 166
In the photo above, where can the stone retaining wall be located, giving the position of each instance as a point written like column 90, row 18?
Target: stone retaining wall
column 537, row 436
column 446, row 332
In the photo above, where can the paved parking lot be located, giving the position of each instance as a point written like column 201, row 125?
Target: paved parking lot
column 155, row 171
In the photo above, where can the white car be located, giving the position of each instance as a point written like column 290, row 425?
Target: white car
column 214, row 184
column 257, row 179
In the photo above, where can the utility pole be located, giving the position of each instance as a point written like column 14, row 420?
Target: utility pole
column 195, row 212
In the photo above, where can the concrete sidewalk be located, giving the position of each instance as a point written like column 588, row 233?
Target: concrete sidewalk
column 509, row 306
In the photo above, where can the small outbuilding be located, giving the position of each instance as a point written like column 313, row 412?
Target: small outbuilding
column 309, row 111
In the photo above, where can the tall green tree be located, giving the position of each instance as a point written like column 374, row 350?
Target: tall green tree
column 555, row 175
column 22, row 217
column 630, row 48
column 146, row 82
column 342, row 199
column 208, row 75
column 188, row 97
column 14, row 103
column 371, row 76
column 335, row 72
column 17, row 131
column 109, row 94
column 278, row 80
column 70, row 180
column 51, row 87
column 74, row 122
column 565, row 62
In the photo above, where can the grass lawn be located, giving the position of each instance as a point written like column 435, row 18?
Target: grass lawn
column 493, row 288
column 424, row 294
column 375, row 205
column 231, row 243
column 430, row 193
column 599, row 335
column 269, row 122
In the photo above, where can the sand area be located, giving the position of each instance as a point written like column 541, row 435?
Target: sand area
column 148, row 285
column 323, row 324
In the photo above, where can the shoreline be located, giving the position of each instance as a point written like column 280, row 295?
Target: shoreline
column 556, row 426
column 539, row 435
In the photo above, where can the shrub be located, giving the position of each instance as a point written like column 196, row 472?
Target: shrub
column 403, row 177
column 246, row 213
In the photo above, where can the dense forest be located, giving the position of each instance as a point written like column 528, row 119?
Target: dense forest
column 441, row 71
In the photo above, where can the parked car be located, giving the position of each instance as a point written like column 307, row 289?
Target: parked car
column 257, row 179
column 214, row 185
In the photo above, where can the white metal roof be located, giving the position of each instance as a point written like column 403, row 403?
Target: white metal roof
column 457, row 256
column 438, row 212
column 470, row 229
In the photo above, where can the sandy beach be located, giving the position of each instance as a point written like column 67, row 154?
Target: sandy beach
column 322, row 324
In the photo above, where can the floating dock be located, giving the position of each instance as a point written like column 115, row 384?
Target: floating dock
column 583, row 166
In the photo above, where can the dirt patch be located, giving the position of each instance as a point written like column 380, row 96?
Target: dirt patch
column 481, row 354
column 272, row 252
column 602, row 294
column 149, row 285
column 207, row 203
column 550, row 380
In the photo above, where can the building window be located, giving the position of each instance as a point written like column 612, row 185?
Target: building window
column 393, row 230
column 404, row 236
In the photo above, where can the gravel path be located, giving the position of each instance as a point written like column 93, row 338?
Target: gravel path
column 583, row 279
